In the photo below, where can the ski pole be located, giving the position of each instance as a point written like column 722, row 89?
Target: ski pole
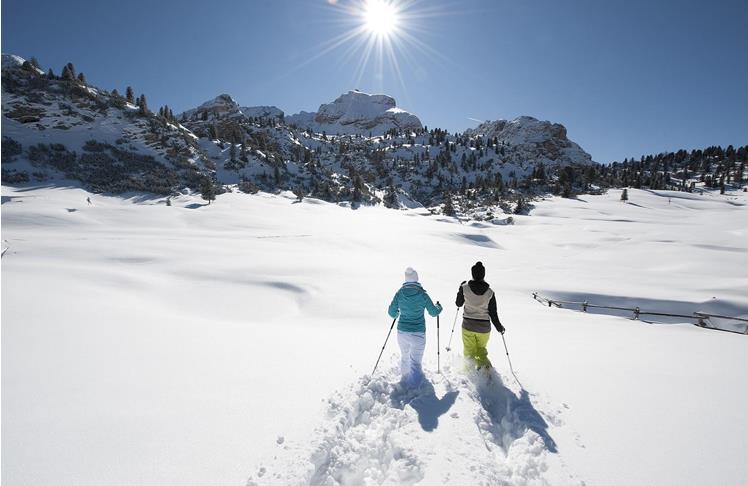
column 383, row 346
column 449, row 348
column 510, row 362
column 438, row 347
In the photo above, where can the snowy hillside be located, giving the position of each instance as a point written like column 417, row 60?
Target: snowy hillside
column 533, row 140
column 58, row 128
column 12, row 61
column 232, row 343
column 357, row 113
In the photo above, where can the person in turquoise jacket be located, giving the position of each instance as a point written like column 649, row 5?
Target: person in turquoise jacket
column 409, row 303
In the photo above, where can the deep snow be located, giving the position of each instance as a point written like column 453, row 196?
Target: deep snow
column 231, row 343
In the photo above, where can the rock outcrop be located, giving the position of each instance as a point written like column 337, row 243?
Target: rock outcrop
column 357, row 113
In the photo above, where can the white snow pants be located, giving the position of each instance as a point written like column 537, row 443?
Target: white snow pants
column 412, row 345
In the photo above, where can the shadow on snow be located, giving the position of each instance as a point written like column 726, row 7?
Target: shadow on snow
column 425, row 403
column 508, row 416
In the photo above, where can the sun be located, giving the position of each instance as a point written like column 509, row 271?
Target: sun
column 381, row 38
column 380, row 17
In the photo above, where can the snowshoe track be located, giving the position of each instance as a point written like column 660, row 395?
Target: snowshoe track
column 457, row 428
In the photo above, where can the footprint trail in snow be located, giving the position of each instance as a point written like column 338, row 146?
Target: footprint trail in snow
column 457, row 428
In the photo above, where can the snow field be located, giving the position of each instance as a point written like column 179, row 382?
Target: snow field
column 193, row 344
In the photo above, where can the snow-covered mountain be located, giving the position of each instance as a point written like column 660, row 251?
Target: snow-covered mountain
column 533, row 139
column 224, row 106
column 357, row 113
column 263, row 111
column 57, row 127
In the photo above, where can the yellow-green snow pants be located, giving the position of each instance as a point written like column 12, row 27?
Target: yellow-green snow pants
column 474, row 344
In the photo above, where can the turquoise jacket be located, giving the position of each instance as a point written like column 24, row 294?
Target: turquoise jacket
column 409, row 302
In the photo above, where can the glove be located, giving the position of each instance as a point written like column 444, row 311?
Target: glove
column 501, row 329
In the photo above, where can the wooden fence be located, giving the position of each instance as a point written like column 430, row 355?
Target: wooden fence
column 701, row 318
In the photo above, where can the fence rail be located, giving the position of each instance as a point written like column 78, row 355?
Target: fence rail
column 700, row 317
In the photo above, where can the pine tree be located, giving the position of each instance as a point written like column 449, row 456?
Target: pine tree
column 243, row 152
column 232, row 153
column 34, row 62
column 358, row 186
column 390, row 197
column 143, row 105
column 82, row 78
column 130, row 95
column 50, row 74
column 540, row 172
column 449, row 209
column 729, row 152
column 71, row 68
column 67, row 74
column 207, row 190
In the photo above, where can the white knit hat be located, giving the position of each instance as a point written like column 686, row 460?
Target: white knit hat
column 411, row 275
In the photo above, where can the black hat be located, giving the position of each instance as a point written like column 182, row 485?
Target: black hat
column 479, row 271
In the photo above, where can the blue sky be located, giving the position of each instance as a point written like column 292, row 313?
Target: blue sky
column 625, row 77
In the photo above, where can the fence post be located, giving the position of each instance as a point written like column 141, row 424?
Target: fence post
column 701, row 318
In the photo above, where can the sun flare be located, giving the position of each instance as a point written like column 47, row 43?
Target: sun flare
column 380, row 17
column 381, row 39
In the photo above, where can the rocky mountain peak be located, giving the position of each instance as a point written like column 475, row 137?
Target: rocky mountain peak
column 533, row 139
column 356, row 112
column 222, row 106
